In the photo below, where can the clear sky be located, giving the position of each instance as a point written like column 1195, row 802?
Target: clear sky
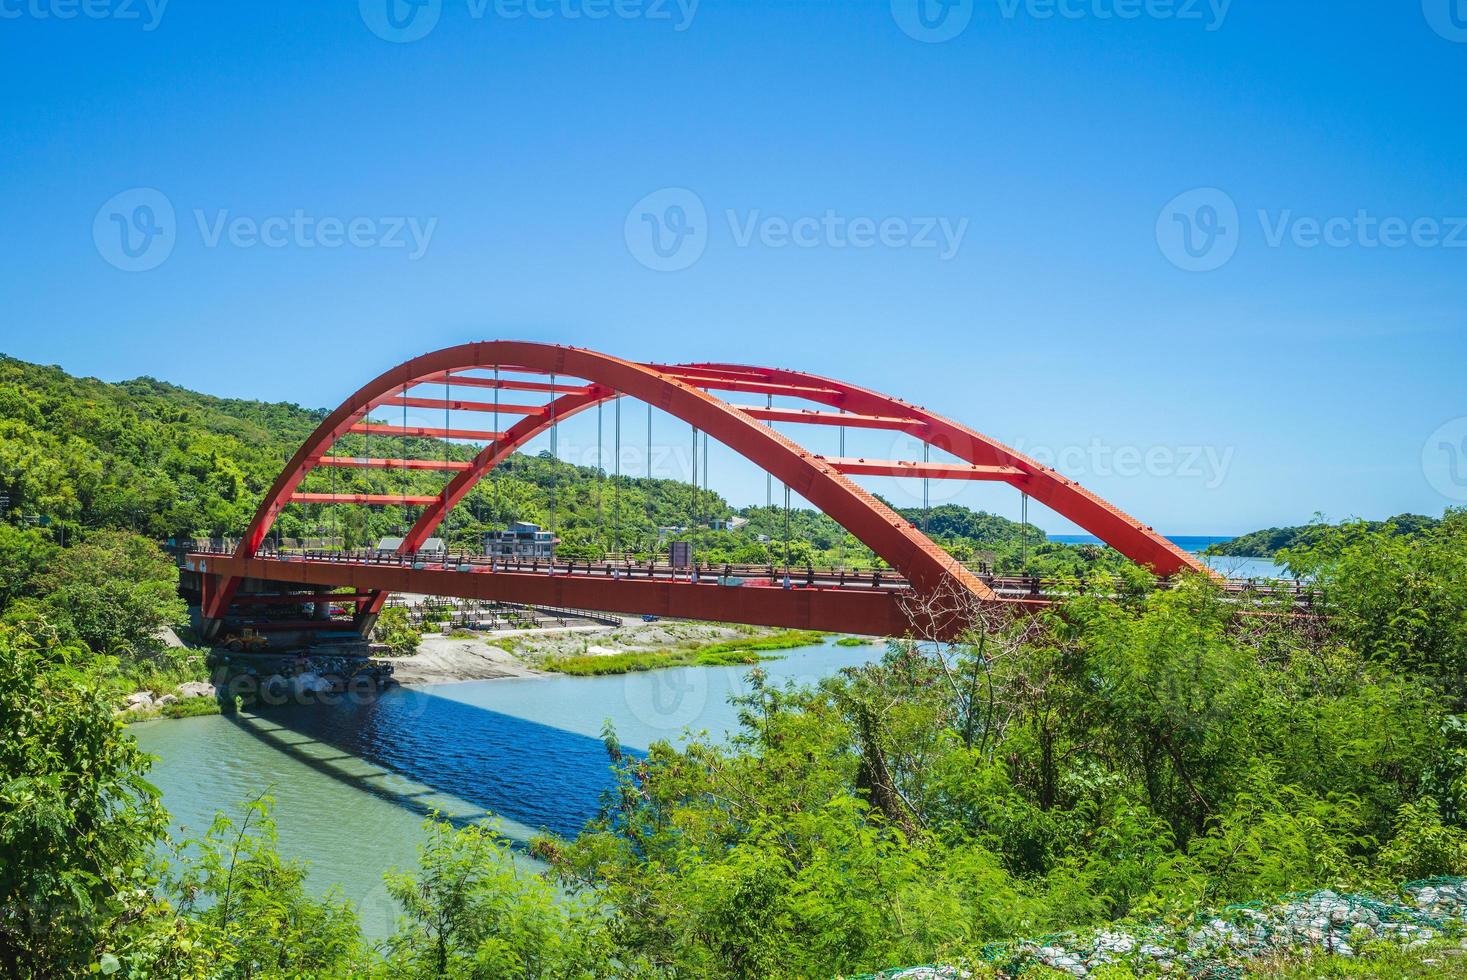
column 1041, row 217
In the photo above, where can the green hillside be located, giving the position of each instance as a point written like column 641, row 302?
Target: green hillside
column 79, row 454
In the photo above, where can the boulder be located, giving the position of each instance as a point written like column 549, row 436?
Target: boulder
column 196, row 689
column 167, row 699
column 312, row 683
column 139, row 700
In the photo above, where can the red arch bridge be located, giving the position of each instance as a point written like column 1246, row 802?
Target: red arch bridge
column 925, row 593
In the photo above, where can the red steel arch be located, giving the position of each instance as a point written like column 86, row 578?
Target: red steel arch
column 683, row 392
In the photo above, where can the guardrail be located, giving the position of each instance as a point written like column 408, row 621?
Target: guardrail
column 731, row 573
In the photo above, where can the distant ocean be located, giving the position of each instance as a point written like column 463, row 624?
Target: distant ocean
column 1196, row 543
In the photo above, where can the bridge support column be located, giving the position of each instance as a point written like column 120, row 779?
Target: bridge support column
column 216, row 595
column 365, row 622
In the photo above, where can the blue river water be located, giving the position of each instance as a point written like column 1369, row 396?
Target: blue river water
column 353, row 782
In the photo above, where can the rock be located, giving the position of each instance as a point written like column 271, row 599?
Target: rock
column 312, row 683
column 167, row 699
column 141, row 699
column 196, row 689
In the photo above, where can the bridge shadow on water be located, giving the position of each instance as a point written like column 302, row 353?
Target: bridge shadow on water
column 428, row 753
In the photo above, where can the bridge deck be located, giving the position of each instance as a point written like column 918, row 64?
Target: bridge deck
column 867, row 610
column 838, row 600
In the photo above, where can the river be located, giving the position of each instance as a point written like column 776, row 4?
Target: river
column 353, row 781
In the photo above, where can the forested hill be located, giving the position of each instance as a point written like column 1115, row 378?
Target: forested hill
column 1269, row 542
column 142, row 454
column 79, row 454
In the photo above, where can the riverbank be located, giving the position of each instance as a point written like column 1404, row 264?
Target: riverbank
column 590, row 651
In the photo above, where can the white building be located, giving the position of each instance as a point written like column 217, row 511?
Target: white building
column 521, row 540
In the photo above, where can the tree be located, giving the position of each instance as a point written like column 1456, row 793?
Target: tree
column 78, row 819
column 23, row 553
column 253, row 911
column 115, row 592
column 471, row 912
column 393, row 629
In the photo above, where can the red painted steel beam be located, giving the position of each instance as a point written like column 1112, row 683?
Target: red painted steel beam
column 454, row 405
column 423, row 432
column 871, row 612
column 361, row 498
column 677, row 391
column 936, row 471
column 891, row 537
column 300, row 599
column 810, row 416
column 1137, row 541
column 733, row 383
column 469, row 381
column 362, row 462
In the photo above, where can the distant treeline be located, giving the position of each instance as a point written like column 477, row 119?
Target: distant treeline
column 1268, row 543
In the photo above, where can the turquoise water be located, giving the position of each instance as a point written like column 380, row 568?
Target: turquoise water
column 353, row 782
column 1197, row 543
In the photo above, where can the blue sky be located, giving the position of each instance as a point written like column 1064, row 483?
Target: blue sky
column 1058, row 264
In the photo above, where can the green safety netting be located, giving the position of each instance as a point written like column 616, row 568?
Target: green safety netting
column 1215, row 944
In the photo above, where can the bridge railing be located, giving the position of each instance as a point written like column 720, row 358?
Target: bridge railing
column 728, row 573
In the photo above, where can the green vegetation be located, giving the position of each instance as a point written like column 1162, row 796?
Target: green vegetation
column 394, row 629
column 729, row 653
column 1441, row 960
column 1268, row 543
column 107, row 600
column 853, row 641
column 1129, row 755
column 1112, row 760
